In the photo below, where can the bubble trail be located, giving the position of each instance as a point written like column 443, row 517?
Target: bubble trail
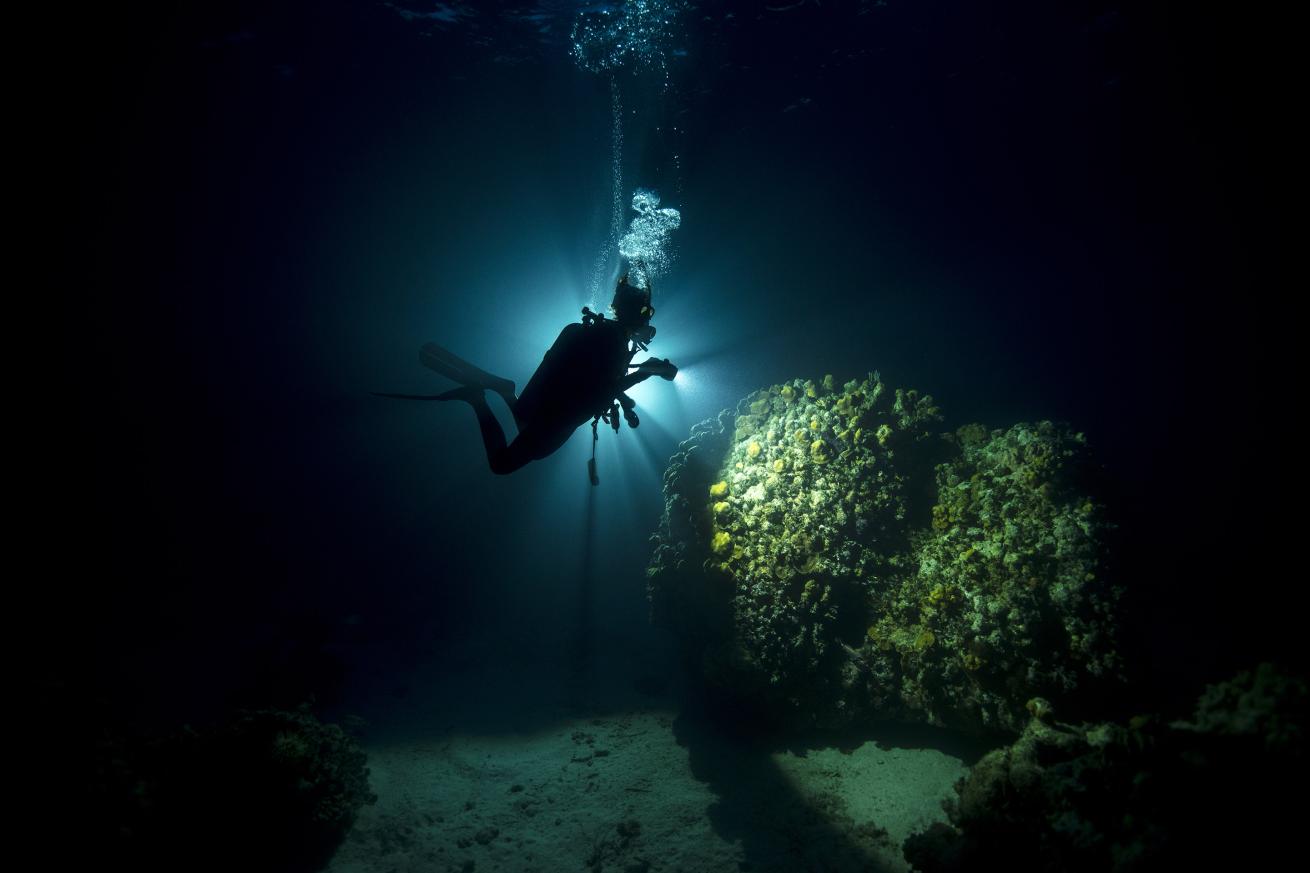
column 601, row 267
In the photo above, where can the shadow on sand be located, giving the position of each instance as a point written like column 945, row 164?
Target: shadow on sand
column 778, row 826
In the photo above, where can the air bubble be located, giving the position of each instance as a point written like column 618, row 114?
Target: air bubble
column 634, row 35
column 645, row 245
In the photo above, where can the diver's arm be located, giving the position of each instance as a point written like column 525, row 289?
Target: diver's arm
column 633, row 379
column 650, row 367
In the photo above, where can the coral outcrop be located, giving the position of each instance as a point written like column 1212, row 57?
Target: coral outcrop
column 827, row 553
column 1142, row 796
column 270, row 790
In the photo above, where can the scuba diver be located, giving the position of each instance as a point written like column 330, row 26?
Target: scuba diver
column 584, row 375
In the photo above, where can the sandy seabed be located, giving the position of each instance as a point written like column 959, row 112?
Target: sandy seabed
column 642, row 790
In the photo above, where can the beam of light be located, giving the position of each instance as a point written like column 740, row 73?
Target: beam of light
column 660, row 401
column 656, row 445
column 629, row 500
column 582, row 641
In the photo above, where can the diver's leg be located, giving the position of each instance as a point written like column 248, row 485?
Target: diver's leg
column 501, row 458
column 513, row 403
column 532, row 443
column 536, row 441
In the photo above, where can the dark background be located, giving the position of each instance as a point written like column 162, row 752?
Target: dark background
column 248, row 215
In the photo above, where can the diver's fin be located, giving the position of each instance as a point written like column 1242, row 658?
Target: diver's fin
column 450, row 365
column 463, row 392
column 431, row 357
column 409, row 396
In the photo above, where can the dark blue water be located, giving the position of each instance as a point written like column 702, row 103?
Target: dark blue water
column 1027, row 210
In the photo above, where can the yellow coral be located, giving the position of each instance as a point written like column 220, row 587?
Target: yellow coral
column 925, row 639
column 788, row 393
column 753, row 450
column 718, row 489
column 779, row 465
column 721, row 507
column 819, row 452
column 722, row 540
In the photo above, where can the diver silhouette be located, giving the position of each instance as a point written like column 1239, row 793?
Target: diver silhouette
column 584, row 375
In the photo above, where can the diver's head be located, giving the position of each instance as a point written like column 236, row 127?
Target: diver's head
column 632, row 309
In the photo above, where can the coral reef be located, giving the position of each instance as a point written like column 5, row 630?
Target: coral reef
column 271, row 790
column 1142, row 796
column 827, row 554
